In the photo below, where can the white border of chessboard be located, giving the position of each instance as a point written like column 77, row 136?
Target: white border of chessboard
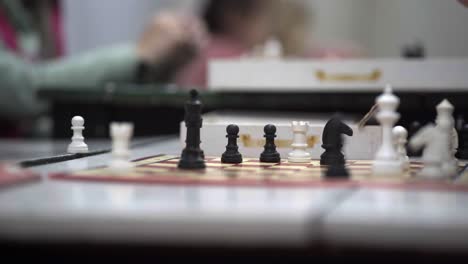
column 291, row 175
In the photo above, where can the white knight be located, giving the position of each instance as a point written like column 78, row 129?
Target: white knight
column 437, row 141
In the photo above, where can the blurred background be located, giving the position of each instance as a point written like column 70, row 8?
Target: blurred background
column 378, row 28
column 123, row 59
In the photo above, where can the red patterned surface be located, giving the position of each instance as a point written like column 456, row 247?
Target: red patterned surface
column 252, row 173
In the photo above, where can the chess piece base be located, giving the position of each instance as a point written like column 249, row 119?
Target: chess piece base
column 120, row 165
column 329, row 158
column 299, row 157
column 231, row 158
column 77, row 149
column 191, row 165
column 431, row 173
column 191, row 159
column 270, row 158
column 405, row 164
column 449, row 169
column 337, row 172
column 385, row 168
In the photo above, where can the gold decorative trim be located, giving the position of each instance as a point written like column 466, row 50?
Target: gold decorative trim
column 374, row 76
column 249, row 142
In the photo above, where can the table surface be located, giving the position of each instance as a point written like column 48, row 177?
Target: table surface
column 234, row 216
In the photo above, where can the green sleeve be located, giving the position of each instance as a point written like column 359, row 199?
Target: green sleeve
column 116, row 64
column 20, row 80
column 18, row 87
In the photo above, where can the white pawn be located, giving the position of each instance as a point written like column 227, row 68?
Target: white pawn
column 273, row 49
column 121, row 134
column 400, row 137
column 299, row 144
column 77, row 145
column 387, row 162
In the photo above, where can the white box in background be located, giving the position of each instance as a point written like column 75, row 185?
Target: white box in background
column 371, row 75
column 362, row 145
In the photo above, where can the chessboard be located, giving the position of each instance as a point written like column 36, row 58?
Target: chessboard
column 163, row 170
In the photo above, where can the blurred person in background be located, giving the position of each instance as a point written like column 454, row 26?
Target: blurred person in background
column 31, row 45
column 234, row 28
column 294, row 26
column 171, row 48
column 237, row 28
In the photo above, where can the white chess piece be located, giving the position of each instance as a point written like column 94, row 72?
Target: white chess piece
column 449, row 114
column 446, row 123
column 121, row 134
column 77, row 145
column 387, row 162
column 400, row 137
column 454, row 141
column 437, row 140
column 430, row 138
column 273, row 49
column 299, row 144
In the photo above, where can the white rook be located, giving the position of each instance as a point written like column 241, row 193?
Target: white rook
column 387, row 162
column 121, row 134
column 299, row 144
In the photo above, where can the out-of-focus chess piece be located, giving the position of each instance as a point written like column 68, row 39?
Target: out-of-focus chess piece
column 77, row 145
column 299, row 153
column 400, row 138
column 415, row 50
column 121, row 134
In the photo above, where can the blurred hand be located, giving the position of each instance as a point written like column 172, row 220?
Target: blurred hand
column 165, row 33
column 464, row 2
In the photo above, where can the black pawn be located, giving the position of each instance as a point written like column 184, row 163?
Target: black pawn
column 269, row 153
column 192, row 156
column 232, row 155
column 333, row 142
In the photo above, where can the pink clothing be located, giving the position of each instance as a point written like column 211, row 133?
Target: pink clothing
column 8, row 33
column 196, row 73
column 57, row 30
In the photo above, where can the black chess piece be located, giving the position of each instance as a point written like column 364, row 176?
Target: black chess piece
column 269, row 153
column 333, row 141
column 336, row 171
column 232, row 155
column 462, row 152
column 414, row 50
column 192, row 156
